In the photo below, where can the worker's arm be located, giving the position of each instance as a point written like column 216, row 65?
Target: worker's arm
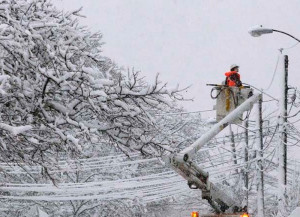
column 227, row 74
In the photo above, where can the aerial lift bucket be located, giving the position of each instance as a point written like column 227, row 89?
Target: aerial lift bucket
column 228, row 99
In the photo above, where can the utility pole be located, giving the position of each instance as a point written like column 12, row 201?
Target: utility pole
column 282, row 149
column 282, row 124
column 233, row 149
column 284, row 133
column 259, row 156
column 246, row 159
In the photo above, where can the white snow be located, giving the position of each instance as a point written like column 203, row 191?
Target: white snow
column 105, row 82
column 4, row 6
column 98, row 93
column 38, row 24
column 74, row 141
column 295, row 213
column 121, row 104
column 15, row 130
column 42, row 213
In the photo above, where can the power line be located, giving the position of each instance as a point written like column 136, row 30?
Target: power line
column 274, row 72
column 261, row 91
column 182, row 113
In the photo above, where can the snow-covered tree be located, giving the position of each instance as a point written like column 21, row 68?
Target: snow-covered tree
column 58, row 93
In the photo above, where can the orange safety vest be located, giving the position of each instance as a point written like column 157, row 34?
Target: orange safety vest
column 232, row 77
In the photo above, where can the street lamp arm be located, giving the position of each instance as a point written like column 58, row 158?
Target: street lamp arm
column 274, row 30
column 257, row 31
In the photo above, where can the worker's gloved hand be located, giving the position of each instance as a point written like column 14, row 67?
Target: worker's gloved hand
column 238, row 83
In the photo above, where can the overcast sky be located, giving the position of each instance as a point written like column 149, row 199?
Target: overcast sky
column 193, row 42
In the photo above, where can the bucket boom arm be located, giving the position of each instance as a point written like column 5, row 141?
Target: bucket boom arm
column 220, row 199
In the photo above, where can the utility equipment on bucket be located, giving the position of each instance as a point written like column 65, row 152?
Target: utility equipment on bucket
column 228, row 99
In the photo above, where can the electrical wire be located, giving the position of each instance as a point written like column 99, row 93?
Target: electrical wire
column 261, row 91
column 222, row 162
column 183, row 113
column 287, row 48
column 274, row 73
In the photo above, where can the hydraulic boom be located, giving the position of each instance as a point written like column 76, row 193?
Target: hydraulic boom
column 221, row 200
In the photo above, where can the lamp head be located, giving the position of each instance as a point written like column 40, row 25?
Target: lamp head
column 257, row 31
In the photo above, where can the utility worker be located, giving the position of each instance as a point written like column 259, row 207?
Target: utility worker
column 233, row 77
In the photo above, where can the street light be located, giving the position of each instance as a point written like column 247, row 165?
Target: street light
column 257, row 31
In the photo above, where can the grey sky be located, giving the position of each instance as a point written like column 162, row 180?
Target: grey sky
column 195, row 41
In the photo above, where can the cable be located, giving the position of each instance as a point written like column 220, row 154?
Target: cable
column 218, row 89
column 274, row 73
column 261, row 91
column 182, row 113
column 287, row 48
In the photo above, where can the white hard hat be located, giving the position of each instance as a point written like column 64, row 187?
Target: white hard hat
column 233, row 66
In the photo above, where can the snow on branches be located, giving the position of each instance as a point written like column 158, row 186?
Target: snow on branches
column 58, row 93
